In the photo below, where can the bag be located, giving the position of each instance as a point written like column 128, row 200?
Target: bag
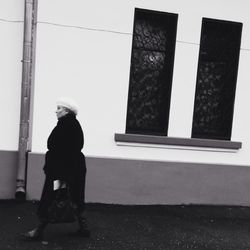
column 61, row 209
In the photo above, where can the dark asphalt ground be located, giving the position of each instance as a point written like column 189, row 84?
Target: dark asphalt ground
column 133, row 227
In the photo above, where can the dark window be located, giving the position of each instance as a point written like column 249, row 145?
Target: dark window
column 216, row 79
column 151, row 71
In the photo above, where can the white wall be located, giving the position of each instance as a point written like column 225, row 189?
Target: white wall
column 91, row 64
column 11, row 29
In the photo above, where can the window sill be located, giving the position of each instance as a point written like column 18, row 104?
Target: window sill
column 176, row 142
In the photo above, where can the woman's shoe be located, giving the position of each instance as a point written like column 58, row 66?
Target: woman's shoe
column 34, row 235
column 83, row 227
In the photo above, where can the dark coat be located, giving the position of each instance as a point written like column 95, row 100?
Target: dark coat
column 64, row 158
column 64, row 161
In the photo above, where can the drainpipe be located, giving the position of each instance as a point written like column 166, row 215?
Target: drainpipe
column 28, row 61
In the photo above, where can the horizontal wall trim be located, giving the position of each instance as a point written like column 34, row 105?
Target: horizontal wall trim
column 8, row 168
column 147, row 182
column 177, row 141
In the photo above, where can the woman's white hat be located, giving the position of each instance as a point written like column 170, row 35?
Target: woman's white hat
column 68, row 103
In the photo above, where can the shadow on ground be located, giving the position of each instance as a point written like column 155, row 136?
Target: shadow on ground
column 133, row 228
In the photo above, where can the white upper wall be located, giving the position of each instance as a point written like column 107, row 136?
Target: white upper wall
column 11, row 42
column 83, row 51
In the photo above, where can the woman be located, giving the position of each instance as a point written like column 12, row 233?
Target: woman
column 64, row 161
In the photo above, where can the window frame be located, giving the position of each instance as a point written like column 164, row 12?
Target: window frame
column 216, row 115
column 163, row 118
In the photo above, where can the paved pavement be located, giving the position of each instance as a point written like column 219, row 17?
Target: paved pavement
column 133, row 228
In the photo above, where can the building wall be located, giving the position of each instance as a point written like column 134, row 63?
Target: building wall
column 11, row 42
column 83, row 50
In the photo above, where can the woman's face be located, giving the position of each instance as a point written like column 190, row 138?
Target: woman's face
column 60, row 112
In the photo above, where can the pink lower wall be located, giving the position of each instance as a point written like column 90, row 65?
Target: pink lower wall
column 8, row 171
column 123, row 181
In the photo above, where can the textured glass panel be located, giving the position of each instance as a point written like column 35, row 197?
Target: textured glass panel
column 146, row 90
column 148, row 36
column 216, row 79
column 208, row 114
column 151, row 72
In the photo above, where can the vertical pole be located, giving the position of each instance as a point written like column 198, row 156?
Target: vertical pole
column 24, row 145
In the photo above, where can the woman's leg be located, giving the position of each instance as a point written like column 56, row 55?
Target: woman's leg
column 83, row 230
column 42, row 212
column 77, row 194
